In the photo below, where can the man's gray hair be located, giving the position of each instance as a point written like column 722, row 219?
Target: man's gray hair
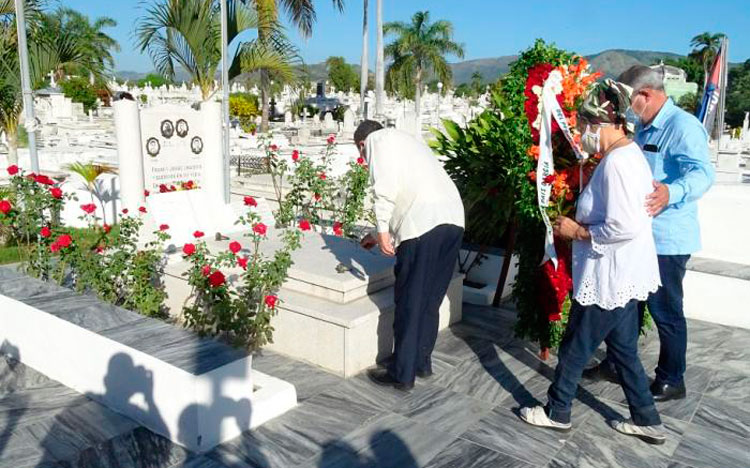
column 641, row 77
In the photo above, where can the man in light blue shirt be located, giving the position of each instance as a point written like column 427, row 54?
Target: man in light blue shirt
column 676, row 147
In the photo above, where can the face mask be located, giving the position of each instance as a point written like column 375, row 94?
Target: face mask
column 590, row 141
column 632, row 118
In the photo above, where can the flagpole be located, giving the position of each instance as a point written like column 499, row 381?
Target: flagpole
column 225, row 99
column 723, row 86
column 28, row 95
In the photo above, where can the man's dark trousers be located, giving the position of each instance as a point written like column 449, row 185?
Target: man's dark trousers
column 666, row 308
column 424, row 269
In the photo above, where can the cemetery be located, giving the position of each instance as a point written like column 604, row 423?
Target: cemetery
column 188, row 288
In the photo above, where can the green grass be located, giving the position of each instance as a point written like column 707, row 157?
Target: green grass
column 10, row 253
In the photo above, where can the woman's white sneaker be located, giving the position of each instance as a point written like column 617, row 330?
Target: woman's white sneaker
column 650, row 434
column 536, row 416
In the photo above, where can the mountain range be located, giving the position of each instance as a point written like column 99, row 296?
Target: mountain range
column 610, row 62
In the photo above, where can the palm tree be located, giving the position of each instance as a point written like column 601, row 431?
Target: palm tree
column 301, row 14
column 47, row 53
column 89, row 172
column 705, row 47
column 96, row 44
column 420, row 49
column 476, row 82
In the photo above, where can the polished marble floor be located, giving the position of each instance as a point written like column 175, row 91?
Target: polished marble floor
column 461, row 417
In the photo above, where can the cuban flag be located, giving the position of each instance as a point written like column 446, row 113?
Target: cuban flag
column 714, row 88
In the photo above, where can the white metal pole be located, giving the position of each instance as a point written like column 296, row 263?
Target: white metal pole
column 225, row 99
column 380, row 63
column 364, row 63
column 28, row 96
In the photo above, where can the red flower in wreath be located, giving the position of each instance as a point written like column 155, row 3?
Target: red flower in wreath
column 46, row 232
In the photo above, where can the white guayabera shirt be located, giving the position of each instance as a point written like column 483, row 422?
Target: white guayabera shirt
column 619, row 263
column 412, row 192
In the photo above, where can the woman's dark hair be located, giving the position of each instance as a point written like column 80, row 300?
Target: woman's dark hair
column 365, row 129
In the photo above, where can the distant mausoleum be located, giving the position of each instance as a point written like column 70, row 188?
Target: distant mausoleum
column 675, row 81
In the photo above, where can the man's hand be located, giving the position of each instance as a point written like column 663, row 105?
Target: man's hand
column 657, row 200
column 566, row 228
column 368, row 242
column 386, row 244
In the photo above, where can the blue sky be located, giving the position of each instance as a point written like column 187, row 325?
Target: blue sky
column 490, row 28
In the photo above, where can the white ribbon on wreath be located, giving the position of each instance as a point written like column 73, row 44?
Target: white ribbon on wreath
column 550, row 109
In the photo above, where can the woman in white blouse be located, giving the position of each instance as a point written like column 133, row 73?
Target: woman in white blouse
column 614, row 267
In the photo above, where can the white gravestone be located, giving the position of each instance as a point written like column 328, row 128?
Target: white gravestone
column 287, row 117
column 328, row 123
column 349, row 118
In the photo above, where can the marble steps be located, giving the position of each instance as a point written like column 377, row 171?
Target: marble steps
column 713, row 288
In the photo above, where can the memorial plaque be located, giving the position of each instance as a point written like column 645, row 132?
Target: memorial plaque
column 173, row 146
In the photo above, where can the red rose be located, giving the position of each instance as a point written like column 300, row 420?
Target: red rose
column 163, row 227
column 322, row 176
column 549, row 179
column 274, row 148
column 5, row 207
column 361, row 161
column 88, row 208
column 99, row 248
column 198, row 234
column 295, row 155
column 317, row 197
column 124, row 211
column 235, row 247
column 146, row 193
column 142, row 209
column 56, row 192
column 271, row 301
column 46, row 232
column 163, row 188
column 242, row 262
column 260, row 228
column 338, row 229
column 64, row 241
column 13, row 170
column 532, row 176
column 54, row 247
column 216, row 279
column 107, row 228
column 305, row 225
column 250, row 201
column 44, row 180
column 206, row 270
column 188, row 249
column 331, row 139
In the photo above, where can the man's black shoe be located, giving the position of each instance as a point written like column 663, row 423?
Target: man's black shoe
column 602, row 371
column 665, row 392
column 383, row 378
column 425, row 374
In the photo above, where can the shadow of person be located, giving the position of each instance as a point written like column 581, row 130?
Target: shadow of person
column 352, row 258
column 389, row 451
column 10, row 359
column 88, row 432
column 339, row 454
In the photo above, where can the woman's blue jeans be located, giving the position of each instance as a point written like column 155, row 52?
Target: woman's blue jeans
column 588, row 327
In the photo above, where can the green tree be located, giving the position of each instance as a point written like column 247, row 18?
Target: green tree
column 705, row 47
column 476, row 83
column 187, row 33
column 418, row 51
column 80, row 90
column 688, row 102
column 738, row 94
column 301, row 14
column 341, row 74
column 154, row 80
column 93, row 41
column 47, row 53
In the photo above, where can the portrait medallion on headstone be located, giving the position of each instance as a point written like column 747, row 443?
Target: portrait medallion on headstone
column 196, row 145
column 153, row 147
column 182, row 128
column 167, row 129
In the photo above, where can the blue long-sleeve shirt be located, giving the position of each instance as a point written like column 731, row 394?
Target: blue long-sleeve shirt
column 676, row 147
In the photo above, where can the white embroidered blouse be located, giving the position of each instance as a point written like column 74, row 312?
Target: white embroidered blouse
column 619, row 263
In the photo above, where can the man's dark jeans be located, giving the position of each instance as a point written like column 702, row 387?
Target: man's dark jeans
column 666, row 308
column 424, row 269
column 588, row 326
